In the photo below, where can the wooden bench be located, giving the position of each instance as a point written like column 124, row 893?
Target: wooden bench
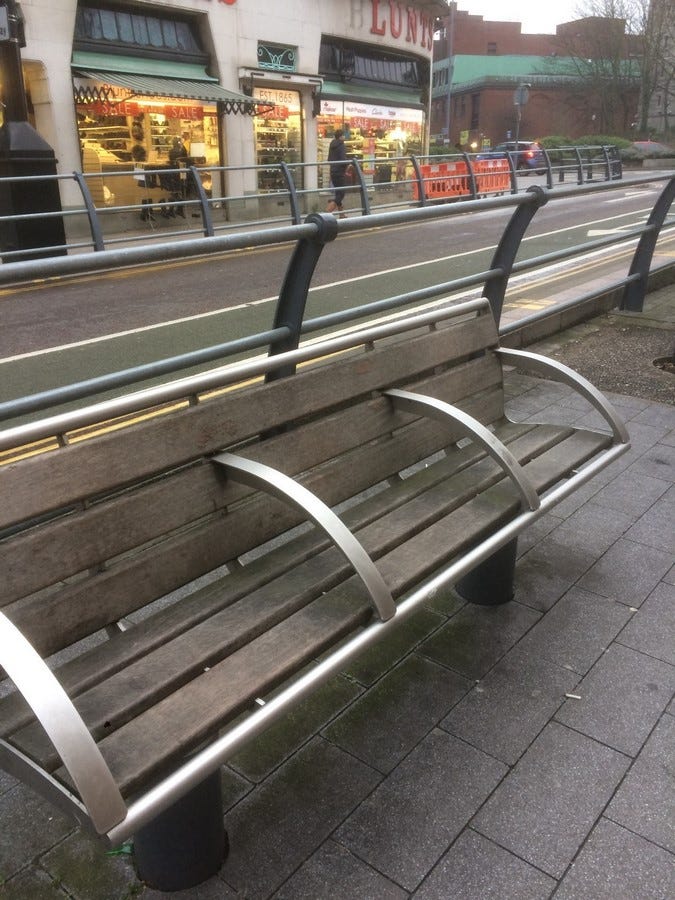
column 400, row 424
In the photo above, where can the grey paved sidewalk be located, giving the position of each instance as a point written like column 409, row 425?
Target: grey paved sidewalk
column 523, row 751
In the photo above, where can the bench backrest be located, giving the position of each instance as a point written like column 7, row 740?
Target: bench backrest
column 101, row 527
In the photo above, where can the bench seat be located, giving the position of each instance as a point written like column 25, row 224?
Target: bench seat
column 118, row 521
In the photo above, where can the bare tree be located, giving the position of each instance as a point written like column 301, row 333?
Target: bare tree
column 604, row 53
column 657, row 27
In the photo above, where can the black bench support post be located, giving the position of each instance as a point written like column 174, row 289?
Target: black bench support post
column 187, row 843
column 290, row 309
column 509, row 243
column 491, row 582
column 636, row 286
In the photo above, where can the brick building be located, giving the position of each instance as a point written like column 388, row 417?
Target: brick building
column 479, row 66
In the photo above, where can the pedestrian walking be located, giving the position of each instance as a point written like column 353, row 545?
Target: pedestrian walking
column 337, row 156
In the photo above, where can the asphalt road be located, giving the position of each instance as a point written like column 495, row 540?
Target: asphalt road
column 69, row 329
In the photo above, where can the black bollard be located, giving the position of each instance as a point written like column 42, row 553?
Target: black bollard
column 187, row 843
column 491, row 582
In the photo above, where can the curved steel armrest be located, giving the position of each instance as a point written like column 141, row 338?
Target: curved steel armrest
column 256, row 474
column 64, row 726
column 545, row 366
column 445, row 412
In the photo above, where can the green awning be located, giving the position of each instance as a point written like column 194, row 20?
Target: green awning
column 159, row 78
column 374, row 94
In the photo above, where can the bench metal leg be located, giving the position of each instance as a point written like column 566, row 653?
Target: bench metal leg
column 491, row 582
column 187, row 843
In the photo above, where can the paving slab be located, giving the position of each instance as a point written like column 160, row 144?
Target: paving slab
column 577, row 630
column 616, row 864
column 408, row 823
column 333, row 872
column 276, row 828
column 383, row 726
column 621, row 699
column 477, row 869
column 627, row 572
column 652, row 628
column 508, row 708
column 550, row 801
column 645, row 802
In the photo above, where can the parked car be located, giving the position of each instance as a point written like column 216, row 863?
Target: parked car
column 526, row 155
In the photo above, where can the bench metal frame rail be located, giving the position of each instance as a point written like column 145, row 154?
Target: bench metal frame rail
column 311, row 238
column 102, row 809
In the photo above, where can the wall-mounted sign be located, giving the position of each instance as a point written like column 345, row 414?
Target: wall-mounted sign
column 407, row 22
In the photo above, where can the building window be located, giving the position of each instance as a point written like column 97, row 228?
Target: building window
column 363, row 63
column 115, row 28
column 491, row 48
column 475, row 110
column 280, row 59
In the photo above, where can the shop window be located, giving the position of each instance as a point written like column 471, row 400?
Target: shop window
column 372, row 133
column 278, row 137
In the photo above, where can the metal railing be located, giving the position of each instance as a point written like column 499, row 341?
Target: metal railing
column 290, row 325
column 126, row 205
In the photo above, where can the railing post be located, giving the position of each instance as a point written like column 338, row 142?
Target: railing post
column 472, row 175
column 365, row 203
column 207, row 221
column 92, row 215
column 549, row 170
column 505, row 254
column 634, row 292
column 580, row 166
column 420, row 180
column 292, row 193
column 290, row 308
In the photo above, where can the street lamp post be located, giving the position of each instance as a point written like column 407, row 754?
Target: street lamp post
column 520, row 98
column 23, row 152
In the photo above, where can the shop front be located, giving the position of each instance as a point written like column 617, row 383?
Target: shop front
column 278, row 136
column 373, row 132
column 144, row 100
column 377, row 97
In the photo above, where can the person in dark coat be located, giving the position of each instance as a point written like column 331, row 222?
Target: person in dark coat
column 337, row 153
column 177, row 155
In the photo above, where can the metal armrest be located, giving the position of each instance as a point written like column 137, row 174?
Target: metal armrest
column 257, row 475
column 64, row 727
column 445, row 412
column 560, row 372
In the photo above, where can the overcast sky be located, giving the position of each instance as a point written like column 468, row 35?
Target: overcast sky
column 537, row 16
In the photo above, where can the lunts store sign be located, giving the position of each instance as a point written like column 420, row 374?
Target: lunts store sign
column 397, row 20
